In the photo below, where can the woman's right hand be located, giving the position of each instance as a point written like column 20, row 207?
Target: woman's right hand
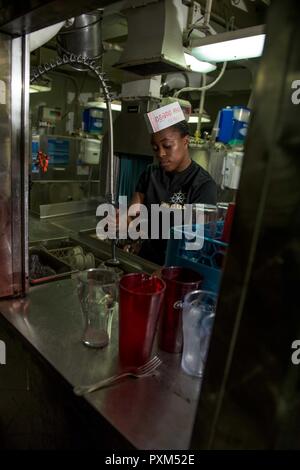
column 132, row 248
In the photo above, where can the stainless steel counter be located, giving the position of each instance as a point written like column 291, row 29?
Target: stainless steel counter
column 151, row 413
column 80, row 227
column 42, row 229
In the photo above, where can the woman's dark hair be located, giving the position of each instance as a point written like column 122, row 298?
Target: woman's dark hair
column 182, row 127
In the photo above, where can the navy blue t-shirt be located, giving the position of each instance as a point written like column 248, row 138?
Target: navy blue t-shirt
column 192, row 185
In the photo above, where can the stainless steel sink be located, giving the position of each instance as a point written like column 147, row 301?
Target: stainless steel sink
column 45, row 267
column 55, row 254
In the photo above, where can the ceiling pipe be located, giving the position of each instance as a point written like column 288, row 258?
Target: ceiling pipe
column 206, row 87
column 207, row 13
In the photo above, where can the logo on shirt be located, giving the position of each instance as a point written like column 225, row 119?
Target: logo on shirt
column 176, row 201
column 178, row 198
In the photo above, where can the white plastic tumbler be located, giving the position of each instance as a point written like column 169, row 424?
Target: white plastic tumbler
column 197, row 321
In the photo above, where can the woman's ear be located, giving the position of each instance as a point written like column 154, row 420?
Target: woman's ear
column 186, row 140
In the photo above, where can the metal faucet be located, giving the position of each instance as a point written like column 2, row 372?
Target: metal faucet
column 89, row 63
column 114, row 260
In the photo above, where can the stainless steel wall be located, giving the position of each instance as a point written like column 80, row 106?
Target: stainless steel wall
column 19, row 19
column 5, row 169
column 14, row 81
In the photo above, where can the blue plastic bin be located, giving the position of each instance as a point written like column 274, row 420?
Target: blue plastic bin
column 225, row 125
column 208, row 260
column 93, row 120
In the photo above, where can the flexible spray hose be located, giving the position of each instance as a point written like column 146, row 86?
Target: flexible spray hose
column 89, row 63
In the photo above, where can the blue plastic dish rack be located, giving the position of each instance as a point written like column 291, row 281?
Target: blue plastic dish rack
column 208, row 260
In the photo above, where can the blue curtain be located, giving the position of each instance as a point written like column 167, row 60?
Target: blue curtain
column 131, row 168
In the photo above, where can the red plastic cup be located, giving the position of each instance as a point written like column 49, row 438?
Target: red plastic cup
column 179, row 282
column 228, row 222
column 141, row 299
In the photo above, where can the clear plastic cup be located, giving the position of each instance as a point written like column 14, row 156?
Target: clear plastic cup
column 98, row 295
column 198, row 317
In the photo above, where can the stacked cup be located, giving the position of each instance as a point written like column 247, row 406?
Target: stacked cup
column 186, row 317
column 186, row 314
column 179, row 281
column 199, row 309
column 141, row 300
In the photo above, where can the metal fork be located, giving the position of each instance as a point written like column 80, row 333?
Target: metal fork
column 142, row 371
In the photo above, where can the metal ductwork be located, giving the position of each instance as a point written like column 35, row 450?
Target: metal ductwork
column 146, row 53
column 82, row 38
column 178, row 80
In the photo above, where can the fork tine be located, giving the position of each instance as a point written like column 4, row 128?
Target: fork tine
column 150, row 366
column 156, row 362
column 153, row 367
column 146, row 364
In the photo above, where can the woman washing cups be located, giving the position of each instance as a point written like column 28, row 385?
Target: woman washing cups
column 172, row 182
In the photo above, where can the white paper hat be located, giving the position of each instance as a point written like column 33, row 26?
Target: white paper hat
column 164, row 117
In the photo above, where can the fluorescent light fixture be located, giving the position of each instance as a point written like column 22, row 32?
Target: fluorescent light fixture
column 115, row 106
column 195, row 119
column 42, row 84
column 102, row 105
column 233, row 45
column 197, row 65
column 38, row 88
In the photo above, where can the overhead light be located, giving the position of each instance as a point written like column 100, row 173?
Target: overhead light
column 43, row 83
column 197, row 65
column 102, row 105
column 194, row 119
column 114, row 106
column 38, row 88
column 233, row 45
column 40, row 37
